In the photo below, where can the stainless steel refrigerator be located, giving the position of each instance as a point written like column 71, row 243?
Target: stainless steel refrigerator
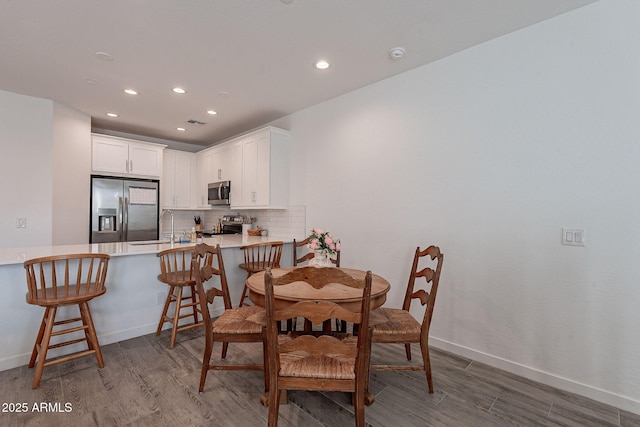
column 123, row 210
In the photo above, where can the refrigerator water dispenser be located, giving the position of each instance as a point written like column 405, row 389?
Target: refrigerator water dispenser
column 107, row 219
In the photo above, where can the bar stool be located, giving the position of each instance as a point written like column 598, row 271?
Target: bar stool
column 175, row 271
column 258, row 257
column 58, row 281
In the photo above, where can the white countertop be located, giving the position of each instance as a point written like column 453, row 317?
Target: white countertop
column 19, row 255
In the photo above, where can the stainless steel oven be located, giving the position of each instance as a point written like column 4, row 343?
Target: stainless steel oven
column 219, row 193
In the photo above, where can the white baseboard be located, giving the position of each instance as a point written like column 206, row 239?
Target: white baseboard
column 23, row 359
column 622, row 402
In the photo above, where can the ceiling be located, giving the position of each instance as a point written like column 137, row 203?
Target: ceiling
column 249, row 60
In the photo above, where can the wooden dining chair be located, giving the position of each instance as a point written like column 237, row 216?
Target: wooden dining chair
column 58, row 281
column 258, row 257
column 175, row 271
column 398, row 326
column 300, row 255
column 234, row 324
column 320, row 361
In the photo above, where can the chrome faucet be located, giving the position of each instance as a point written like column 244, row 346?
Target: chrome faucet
column 172, row 237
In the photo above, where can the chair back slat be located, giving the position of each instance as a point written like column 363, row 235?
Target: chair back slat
column 260, row 256
column 176, row 267
column 204, row 270
column 65, row 279
column 429, row 286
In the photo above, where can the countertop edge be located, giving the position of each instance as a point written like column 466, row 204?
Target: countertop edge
column 10, row 256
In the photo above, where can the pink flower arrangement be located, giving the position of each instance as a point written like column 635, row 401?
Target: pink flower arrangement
column 321, row 240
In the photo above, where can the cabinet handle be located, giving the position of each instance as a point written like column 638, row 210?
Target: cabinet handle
column 130, row 166
column 219, row 173
column 253, row 196
column 126, row 166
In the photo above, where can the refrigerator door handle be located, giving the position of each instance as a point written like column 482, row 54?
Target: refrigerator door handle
column 126, row 220
column 120, row 214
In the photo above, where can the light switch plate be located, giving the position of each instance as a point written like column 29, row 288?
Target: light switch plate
column 574, row 236
column 21, row 222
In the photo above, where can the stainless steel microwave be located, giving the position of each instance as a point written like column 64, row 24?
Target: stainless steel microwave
column 219, row 193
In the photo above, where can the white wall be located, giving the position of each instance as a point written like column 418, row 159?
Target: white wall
column 45, row 164
column 488, row 154
column 25, row 169
column 71, row 176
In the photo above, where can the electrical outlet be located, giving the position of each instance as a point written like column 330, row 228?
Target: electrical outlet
column 21, row 222
column 574, row 237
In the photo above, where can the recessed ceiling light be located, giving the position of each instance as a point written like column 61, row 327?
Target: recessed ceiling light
column 181, row 129
column 213, row 113
column 223, row 94
column 90, row 81
column 179, row 90
column 131, row 91
column 104, row 56
column 321, row 64
column 113, row 115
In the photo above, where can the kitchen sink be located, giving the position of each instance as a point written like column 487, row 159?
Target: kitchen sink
column 148, row 242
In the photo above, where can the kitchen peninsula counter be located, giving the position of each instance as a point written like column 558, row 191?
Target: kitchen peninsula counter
column 132, row 304
column 226, row 241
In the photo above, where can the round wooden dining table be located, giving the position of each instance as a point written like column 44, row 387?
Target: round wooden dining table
column 349, row 298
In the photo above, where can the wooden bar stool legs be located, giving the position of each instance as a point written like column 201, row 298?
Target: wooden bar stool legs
column 46, row 332
column 175, row 271
column 181, row 302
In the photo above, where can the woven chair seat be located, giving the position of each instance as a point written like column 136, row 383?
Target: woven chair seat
column 236, row 321
column 394, row 324
column 300, row 364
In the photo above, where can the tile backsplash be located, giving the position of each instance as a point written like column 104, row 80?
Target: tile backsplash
column 289, row 222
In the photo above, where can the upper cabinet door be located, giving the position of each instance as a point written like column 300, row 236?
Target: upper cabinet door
column 109, row 155
column 265, row 170
column 119, row 156
column 203, row 178
column 145, row 160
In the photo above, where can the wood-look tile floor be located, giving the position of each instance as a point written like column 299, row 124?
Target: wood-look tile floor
column 144, row 383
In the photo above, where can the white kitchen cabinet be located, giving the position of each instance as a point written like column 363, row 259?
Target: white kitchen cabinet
column 220, row 163
column 120, row 156
column 265, row 170
column 178, row 179
column 203, row 178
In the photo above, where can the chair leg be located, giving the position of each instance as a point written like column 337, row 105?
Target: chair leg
column 265, row 363
column 206, row 360
column 274, row 407
column 90, row 332
column 308, row 326
column 43, row 325
column 167, row 302
column 194, row 300
column 407, row 349
column 243, row 296
column 424, row 347
column 176, row 317
column 44, row 345
column 225, row 347
column 358, row 407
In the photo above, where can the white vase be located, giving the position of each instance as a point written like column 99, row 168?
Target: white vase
column 320, row 259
